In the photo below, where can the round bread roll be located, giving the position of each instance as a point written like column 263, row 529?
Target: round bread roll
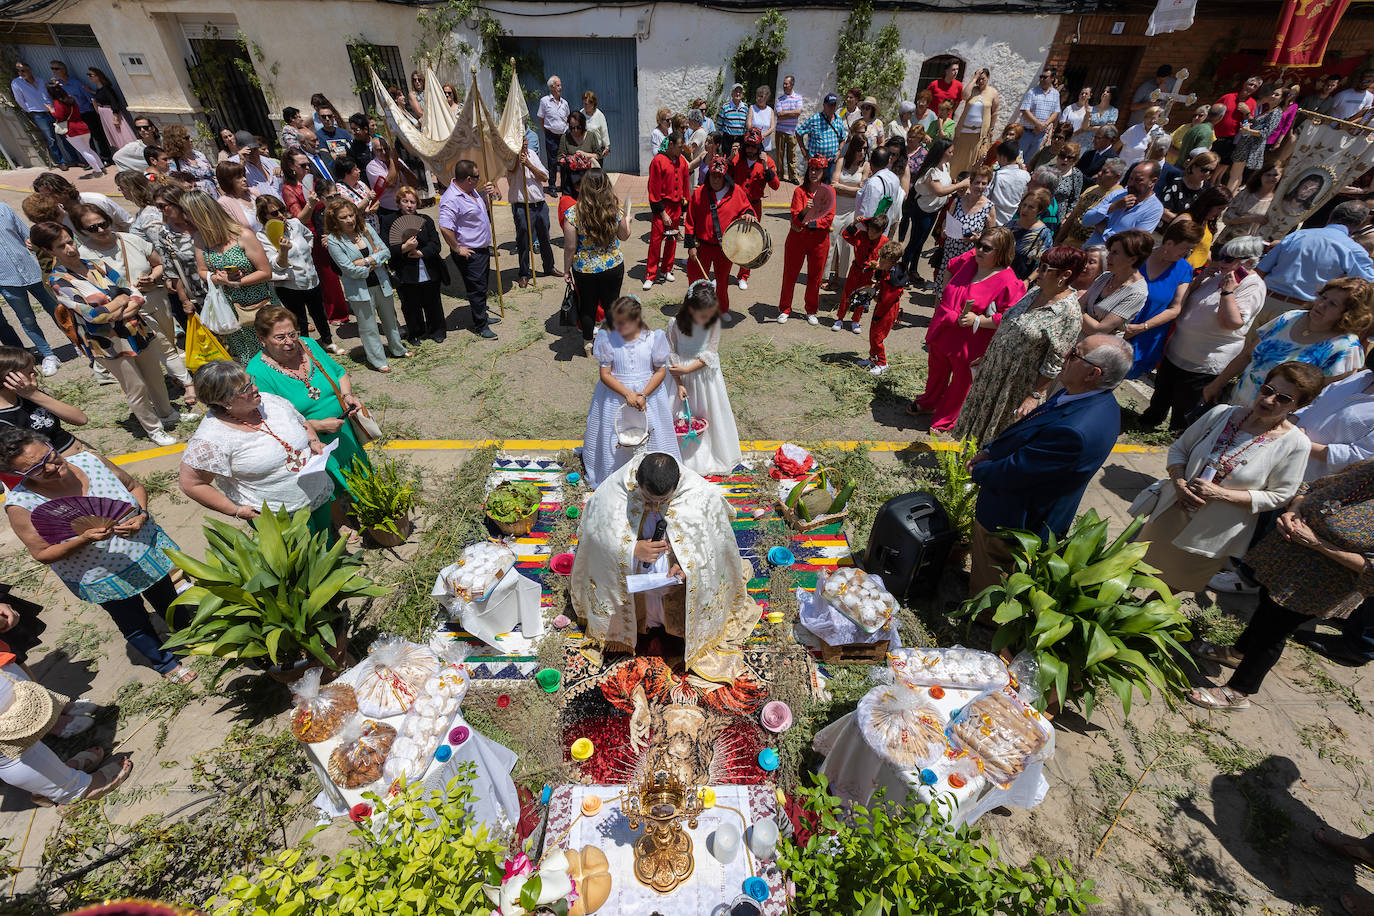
column 591, row 870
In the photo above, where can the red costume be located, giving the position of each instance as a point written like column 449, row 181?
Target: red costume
column 865, row 259
column 704, row 227
column 809, row 242
column 667, row 196
column 754, row 176
column 886, row 307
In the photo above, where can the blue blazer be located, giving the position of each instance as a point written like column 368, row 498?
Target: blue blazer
column 1040, row 466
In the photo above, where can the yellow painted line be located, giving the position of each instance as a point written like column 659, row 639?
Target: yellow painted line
column 554, row 445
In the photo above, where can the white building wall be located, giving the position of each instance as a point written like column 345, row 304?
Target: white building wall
column 679, row 47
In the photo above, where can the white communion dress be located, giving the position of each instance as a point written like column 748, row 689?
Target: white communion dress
column 633, row 363
column 716, row 449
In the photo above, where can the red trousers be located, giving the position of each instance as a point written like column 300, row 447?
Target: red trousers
column 708, row 262
column 884, row 316
column 810, row 245
column 858, row 273
column 758, row 211
column 662, row 248
column 948, row 380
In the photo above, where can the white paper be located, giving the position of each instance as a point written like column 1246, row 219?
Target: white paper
column 317, row 463
column 649, row 581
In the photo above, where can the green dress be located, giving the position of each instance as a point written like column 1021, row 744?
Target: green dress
column 317, row 402
column 243, row 343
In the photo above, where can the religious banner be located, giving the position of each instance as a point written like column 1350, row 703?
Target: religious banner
column 515, row 117
column 432, row 139
column 1304, row 28
column 1171, row 16
column 1329, row 155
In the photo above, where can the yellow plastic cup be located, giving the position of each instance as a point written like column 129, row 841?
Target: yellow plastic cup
column 708, row 797
column 775, row 616
column 582, row 749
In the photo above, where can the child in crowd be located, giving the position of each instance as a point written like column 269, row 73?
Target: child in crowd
column 667, row 198
column 694, row 339
column 890, row 279
column 23, row 405
column 634, row 364
column 867, row 236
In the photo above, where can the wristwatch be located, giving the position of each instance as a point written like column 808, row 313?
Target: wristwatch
column 1039, row 396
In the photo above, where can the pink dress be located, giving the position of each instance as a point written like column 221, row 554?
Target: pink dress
column 952, row 347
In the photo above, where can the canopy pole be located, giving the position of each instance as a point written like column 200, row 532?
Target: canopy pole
column 491, row 219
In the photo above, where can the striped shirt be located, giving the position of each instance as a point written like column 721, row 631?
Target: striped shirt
column 789, row 109
column 1040, row 102
column 733, row 118
column 823, row 137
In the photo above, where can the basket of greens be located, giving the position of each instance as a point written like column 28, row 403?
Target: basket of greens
column 513, row 506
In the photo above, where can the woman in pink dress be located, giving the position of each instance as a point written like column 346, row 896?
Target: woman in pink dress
column 981, row 287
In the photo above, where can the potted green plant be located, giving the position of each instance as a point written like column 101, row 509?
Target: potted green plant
column 383, row 500
column 956, row 492
column 513, row 506
column 272, row 597
column 1092, row 614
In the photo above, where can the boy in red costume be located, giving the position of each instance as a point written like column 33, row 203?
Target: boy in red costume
column 714, row 206
column 667, row 197
column 753, row 170
column 890, row 278
column 867, row 236
column 808, row 240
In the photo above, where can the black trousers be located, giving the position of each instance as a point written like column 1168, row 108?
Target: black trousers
column 921, row 225
column 596, row 289
column 1177, row 393
column 539, row 215
column 474, row 270
column 301, row 302
column 423, row 308
column 1262, row 642
column 98, row 141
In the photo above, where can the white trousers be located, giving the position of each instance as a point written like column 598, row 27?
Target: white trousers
column 39, row 771
column 82, row 145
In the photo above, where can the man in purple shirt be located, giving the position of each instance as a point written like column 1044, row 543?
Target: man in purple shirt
column 465, row 225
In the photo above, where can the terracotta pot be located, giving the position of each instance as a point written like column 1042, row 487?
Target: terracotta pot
column 384, row 538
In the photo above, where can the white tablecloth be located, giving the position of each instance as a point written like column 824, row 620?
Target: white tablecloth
column 711, row 883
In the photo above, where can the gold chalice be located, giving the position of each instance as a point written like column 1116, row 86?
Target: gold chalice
column 663, row 853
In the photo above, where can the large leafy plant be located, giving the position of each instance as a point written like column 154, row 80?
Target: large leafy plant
column 956, row 491
column 273, row 593
column 426, row 859
column 1092, row 613
column 907, row 859
column 381, row 494
column 513, row 500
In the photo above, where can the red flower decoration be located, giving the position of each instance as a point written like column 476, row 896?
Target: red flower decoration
column 359, row 812
column 502, row 701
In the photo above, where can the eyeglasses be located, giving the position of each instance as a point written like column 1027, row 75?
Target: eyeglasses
column 47, row 458
column 984, row 247
column 1073, row 355
column 97, row 227
column 1269, row 391
column 275, row 214
column 284, row 338
column 247, row 387
column 1065, row 156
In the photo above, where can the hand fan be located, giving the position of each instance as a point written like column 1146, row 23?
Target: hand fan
column 308, row 182
column 405, row 226
column 274, row 230
column 822, row 202
column 64, row 518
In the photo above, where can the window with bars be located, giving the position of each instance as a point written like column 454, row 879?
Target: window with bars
column 385, row 59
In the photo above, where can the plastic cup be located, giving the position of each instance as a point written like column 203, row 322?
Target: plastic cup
column 775, row 616
column 582, row 749
column 550, row 679
column 572, row 512
column 708, row 797
column 574, row 477
column 768, row 759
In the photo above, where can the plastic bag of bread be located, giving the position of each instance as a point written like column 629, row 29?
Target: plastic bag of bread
column 479, row 568
column 361, row 755
column 392, row 677
column 968, row 669
column 902, row 726
column 860, row 597
column 320, row 711
column 1004, row 733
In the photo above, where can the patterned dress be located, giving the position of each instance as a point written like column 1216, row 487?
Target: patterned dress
column 972, row 223
column 242, row 344
column 1028, row 342
column 1250, row 149
column 1336, row 355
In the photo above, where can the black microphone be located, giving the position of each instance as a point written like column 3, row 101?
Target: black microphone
column 660, row 531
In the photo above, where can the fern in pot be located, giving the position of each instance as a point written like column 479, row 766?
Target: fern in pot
column 383, row 499
column 956, row 492
column 1092, row 614
column 272, row 596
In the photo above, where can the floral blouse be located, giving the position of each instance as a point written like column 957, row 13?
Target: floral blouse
column 590, row 259
column 100, row 335
column 1337, row 355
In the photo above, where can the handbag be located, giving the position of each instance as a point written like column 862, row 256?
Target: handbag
column 202, row 346
column 1147, row 500
column 364, row 427
column 60, row 128
column 567, row 312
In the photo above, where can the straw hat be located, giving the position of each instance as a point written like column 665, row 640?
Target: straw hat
column 30, row 716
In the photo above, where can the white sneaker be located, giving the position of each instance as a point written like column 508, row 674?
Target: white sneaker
column 877, row 370
column 162, row 437
column 812, row 319
column 743, row 284
column 668, row 277
column 183, row 416
column 783, row 316
column 1230, row 581
column 648, row 284
column 854, row 326
column 102, row 375
column 838, row 325
column 50, row 365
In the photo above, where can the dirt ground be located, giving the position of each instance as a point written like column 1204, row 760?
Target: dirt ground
column 1216, row 811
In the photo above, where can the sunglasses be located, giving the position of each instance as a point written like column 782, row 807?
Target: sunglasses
column 1268, row 391
column 41, row 463
column 97, row 227
column 1065, row 156
column 984, row 247
column 143, row 127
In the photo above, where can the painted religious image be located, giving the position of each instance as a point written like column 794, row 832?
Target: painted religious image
column 1307, row 190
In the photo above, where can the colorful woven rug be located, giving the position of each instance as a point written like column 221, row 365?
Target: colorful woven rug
column 824, row 548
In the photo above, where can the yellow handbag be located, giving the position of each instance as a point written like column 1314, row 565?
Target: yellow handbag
column 202, row 346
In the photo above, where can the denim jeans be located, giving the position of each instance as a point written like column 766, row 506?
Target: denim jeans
column 131, row 616
column 58, row 147
column 18, row 299
column 539, row 215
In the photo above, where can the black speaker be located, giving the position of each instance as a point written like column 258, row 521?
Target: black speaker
column 909, row 544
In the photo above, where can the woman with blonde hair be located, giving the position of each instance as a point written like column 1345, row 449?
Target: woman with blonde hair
column 976, row 119
column 593, row 229
column 229, row 255
column 361, row 257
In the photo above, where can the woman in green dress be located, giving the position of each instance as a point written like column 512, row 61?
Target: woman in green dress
column 297, row 369
column 230, row 256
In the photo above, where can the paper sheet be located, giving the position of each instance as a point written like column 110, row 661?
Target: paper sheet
column 317, row 463
column 647, row 582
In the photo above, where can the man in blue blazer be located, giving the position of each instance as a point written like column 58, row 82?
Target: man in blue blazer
column 1033, row 475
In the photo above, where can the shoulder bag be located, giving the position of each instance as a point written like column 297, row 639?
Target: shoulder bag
column 364, row 426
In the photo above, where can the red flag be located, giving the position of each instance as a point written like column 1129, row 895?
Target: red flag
column 1304, row 28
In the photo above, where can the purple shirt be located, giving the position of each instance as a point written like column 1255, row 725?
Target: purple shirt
column 466, row 215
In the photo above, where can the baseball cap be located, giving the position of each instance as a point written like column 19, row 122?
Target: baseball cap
column 736, row 86
column 831, row 99
column 245, row 139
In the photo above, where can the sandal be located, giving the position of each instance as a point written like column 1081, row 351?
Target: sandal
column 1218, row 698
column 1222, row 655
column 73, row 726
column 181, row 675
column 81, row 708
column 1348, row 846
column 89, row 760
column 106, row 779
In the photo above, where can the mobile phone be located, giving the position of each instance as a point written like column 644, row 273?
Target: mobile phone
column 1241, row 274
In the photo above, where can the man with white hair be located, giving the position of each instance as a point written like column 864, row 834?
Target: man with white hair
column 1034, row 474
column 553, row 119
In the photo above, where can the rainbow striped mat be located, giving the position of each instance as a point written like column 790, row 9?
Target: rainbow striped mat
column 824, row 548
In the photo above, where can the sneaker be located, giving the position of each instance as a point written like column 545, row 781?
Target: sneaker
column 1231, row 582
column 854, row 326
column 837, row 326
column 668, row 277
column 783, row 316
column 50, row 365
column 812, row 319
column 162, row 437
column 102, row 375
column 877, row 370
column 648, row 285
column 743, row 284
column 183, row 416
